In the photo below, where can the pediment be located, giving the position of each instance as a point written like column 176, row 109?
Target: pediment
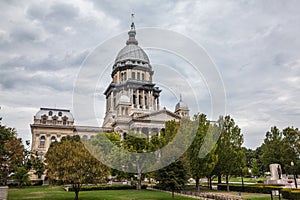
column 162, row 115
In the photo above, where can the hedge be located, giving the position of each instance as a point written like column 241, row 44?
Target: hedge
column 289, row 193
column 255, row 188
column 107, row 187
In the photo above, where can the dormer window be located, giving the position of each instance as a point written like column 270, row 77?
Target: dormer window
column 44, row 120
column 64, row 122
column 50, row 113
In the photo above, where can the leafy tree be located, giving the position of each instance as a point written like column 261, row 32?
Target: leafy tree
column 37, row 165
column 202, row 167
column 68, row 161
column 12, row 152
column 280, row 147
column 254, row 168
column 134, row 143
column 231, row 157
column 21, row 175
column 172, row 177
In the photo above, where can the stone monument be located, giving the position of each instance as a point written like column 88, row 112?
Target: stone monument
column 276, row 174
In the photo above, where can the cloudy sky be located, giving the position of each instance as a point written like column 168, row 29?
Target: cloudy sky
column 255, row 46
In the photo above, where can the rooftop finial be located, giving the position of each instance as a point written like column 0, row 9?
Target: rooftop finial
column 132, row 33
column 132, row 22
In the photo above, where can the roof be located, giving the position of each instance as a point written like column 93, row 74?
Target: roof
column 50, row 112
column 132, row 52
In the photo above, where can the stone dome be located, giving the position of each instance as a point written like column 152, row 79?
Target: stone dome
column 181, row 105
column 132, row 51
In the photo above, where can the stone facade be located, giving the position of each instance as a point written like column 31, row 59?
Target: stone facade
column 132, row 104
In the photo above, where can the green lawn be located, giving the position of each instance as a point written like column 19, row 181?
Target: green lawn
column 57, row 193
column 239, row 179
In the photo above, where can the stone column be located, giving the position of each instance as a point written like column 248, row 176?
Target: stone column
column 143, row 99
column 112, row 101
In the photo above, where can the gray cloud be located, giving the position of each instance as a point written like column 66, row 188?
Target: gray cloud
column 254, row 44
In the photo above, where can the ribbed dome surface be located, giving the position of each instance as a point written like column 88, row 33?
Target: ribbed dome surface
column 132, row 52
column 181, row 105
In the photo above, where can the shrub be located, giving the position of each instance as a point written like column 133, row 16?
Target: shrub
column 107, row 187
column 256, row 188
column 288, row 193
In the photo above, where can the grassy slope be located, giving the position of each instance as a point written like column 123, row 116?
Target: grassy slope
column 57, row 193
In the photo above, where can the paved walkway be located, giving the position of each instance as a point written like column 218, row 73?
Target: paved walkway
column 3, row 192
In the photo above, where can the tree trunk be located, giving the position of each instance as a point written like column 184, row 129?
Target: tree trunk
column 227, row 182
column 139, row 175
column 197, row 184
column 172, row 194
column 76, row 195
column 219, row 179
column 76, row 188
column 210, row 182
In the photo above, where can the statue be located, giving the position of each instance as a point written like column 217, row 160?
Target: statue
column 279, row 171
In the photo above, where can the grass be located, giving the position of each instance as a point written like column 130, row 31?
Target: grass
column 239, row 179
column 57, row 193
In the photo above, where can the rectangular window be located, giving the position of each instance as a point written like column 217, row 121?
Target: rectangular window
column 133, row 75
column 44, row 121
column 143, row 76
column 64, row 122
column 138, row 76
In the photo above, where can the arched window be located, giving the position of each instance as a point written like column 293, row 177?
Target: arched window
column 140, row 101
column 42, row 142
column 138, row 76
column 60, row 114
column 53, row 139
column 41, row 156
column 50, row 113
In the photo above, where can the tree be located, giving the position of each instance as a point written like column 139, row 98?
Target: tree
column 202, row 167
column 22, row 176
column 231, row 157
column 280, row 147
column 37, row 165
column 134, row 143
column 12, row 151
column 254, row 168
column 172, row 177
column 68, row 161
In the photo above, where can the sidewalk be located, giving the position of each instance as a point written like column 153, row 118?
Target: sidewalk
column 3, row 192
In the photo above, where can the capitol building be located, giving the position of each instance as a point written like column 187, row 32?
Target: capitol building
column 132, row 104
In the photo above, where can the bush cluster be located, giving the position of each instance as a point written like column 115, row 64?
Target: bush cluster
column 107, row 187
column 288, row 193
column 256, row 188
